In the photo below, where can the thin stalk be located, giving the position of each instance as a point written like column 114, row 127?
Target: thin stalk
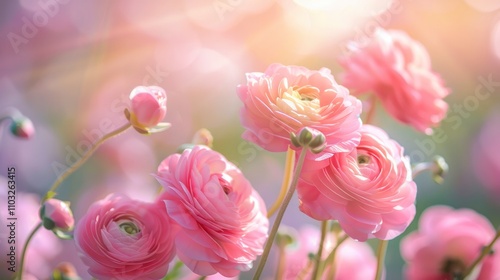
column 25, row 248
column 381, row 250
column 281, row 261
column 317, row 260
column 287, row 176
column 280, row 214
column 331, row 258
column 371, row 111
column 486, row 251
column 85, row 157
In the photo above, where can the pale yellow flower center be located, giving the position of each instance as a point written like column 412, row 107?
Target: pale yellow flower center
column 302, row 103
column 129, row 228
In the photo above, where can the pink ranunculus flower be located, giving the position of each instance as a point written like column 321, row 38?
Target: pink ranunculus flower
column 149, row 106
column 222, row 219
column 397, row 69
column 353, row 260
column 284, row 99
column 56, row 214
column 446, row 244
column 369, row 190
column 122, row 238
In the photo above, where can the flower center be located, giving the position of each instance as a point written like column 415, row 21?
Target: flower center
column 363, row 159
column 129, row 228
column 454, row 268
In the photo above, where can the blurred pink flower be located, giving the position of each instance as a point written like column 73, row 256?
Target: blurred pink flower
column 369, row 190
column 43, row 248
column 285, row 99
column 222, row 219
column 397, row 69
column 58, row 214
column 353, row 260
column 447, row 242
column 122, row 238
column 485, row 160
column 149, row 106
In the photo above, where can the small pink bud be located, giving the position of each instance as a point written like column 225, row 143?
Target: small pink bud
column 22, row 127
column 148, row 106
column 56, row 215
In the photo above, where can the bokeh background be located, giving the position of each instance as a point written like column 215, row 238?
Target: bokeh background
column 69, row 65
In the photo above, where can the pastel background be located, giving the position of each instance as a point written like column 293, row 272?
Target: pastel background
column 69, row 65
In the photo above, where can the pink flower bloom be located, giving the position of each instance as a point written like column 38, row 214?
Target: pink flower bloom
column 369, row 190
column 56, row 214
column 222, row 218
column 43, row 248
column 398, row 70
column 447, row 242
column 485, row 160
column 121, row 238
column 285, row 99
column 353, row 260
column 149, row 106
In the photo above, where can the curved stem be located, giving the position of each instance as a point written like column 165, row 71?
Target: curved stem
column 331, row 258
column 486, row 251
column 289, row 164
column 371, row 111
column 281, row 261
column 381, row 250
column 85, row 157
column 280, row 214
column 421, row 167
column 25, row 248
column 317, row 260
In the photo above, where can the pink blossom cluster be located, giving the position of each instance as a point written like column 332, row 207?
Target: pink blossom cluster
column 209, row 216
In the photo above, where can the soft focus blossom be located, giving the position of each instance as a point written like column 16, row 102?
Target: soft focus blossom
column 369, row 190
column 43, row 248
column 353, row 260
column 485, row 160
column 148, row 106
column 447, row 242
column 285, row 99
column 56, row 214
column 222, row 218
column 397, row 69
column 121, row 238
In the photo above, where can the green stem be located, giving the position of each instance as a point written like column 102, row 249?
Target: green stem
column 317, row 260
column 280, row 214
column 381, row 250
column 281, row 261
column 331, row 258
column 486, row 251
column 371, row 111
column 25, row 248
column 85, row 157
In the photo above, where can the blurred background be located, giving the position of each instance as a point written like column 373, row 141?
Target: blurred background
column 70, row 65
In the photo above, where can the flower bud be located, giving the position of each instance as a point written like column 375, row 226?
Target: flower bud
column 22, row 127
column 65, row 271
column 56, row 215
column 148, row 108
column 439, row 170
column 310, row 138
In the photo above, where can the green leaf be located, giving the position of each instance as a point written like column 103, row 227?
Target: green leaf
column 62, row 234
column 175, row 272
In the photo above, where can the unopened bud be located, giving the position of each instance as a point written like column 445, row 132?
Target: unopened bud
column 22, row 127
column 309, row 138
column 440, row 169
